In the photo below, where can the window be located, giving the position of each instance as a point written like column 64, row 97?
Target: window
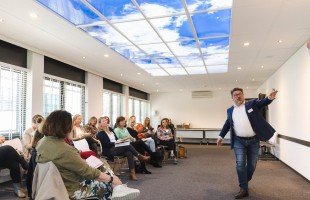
column 112, row 105
column 138, row 108
column 13, row 90
column 63, row 94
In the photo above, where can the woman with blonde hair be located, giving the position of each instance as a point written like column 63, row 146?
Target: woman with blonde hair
column 79, row 133
column 108, row 139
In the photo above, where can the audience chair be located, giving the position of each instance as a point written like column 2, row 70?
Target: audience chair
column 119, row 161
column 47, row 183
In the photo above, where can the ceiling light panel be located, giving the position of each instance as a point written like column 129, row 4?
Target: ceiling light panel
column 173, row 28
column 168, row 62
column 156, row 8
column 197, row 5
column 156, row 50
column 196, row 70
column 214, row 45
column 185, row 48
column 139, row 32
column 151, row 33
column 157, row 72
column 190, row 61
column 120, row 10
column 72, row 10
column 176, row 71
column 217, row 69
column 130, row 52
column 216, row 59
column 107, row 34
column 146, row 64
column 210, row 24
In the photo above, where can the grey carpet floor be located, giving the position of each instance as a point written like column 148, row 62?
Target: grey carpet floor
column 209, row 174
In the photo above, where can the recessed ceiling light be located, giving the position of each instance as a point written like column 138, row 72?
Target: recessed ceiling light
column 143, row 84
column 1, row 20
column 157, row 90
column 247, row 87
column 121, row 74
column 280, row 41
column 180, row 90
column 220, row 88
column 139, row 73
column 106, row 55
column 156, row 83
column 246, row 44
column 84, row 57
column 236, row 80
column 253, row 79
column 33, row 15
column 239, row 68
column 262, row 66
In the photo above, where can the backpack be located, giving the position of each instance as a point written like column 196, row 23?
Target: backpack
column 182, row 152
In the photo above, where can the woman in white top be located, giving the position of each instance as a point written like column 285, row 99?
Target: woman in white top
column 79, row 133
column 28, row 134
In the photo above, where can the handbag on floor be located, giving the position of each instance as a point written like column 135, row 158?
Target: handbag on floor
column 182, row 152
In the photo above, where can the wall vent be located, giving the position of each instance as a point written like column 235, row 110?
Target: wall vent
column 202, row 94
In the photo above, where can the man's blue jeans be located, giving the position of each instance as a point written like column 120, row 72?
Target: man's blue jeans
column 246, row 152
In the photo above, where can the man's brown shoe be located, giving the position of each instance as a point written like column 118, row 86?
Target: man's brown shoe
column 241, row 194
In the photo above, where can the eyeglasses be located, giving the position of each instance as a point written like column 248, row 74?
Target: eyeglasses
column 237, row 94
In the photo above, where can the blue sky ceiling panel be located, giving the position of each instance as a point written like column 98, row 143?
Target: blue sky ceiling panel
column 199, row 5
column 156, row 8
column 73, row 11
column 210, row 24
column 173, row 28
column 107, row 34
column 130, row 52
column 164, row 33
column 117, row 10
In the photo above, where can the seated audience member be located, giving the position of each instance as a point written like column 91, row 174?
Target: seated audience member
column 139, row 144
column 143, row 135
column 123, row 134
column 165, row 138
column 91, row 126
column 108, row 138
column 81, row 180
column 9, row 158
column 28, row 134
column 171, row 126
column 32, row 162
column 147, row 126
column 78, row 133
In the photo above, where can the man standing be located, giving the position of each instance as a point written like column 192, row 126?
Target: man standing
column 247, row 127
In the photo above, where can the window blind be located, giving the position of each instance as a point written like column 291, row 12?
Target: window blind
column 13, row 91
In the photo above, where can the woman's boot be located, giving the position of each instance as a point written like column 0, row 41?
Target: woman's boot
column 18, row 191
column 143, row 158
column 132, row 175
column 144, row 170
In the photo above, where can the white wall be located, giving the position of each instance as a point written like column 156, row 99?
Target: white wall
column 93, row 96
column 289, row 112
column 199, row 112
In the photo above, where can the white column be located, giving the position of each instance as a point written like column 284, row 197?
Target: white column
column 35, row 62
column 126, row 101
column 93, row 96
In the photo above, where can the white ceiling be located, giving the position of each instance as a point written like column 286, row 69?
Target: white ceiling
column 262, row 23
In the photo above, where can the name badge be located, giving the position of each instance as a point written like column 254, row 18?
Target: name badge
column 250, row 110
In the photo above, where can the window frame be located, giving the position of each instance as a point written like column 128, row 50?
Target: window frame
column 141, row 116
column 120, row 107
column 62, row 100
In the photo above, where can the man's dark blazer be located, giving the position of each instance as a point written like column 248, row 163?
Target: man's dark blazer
column 259, row 125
